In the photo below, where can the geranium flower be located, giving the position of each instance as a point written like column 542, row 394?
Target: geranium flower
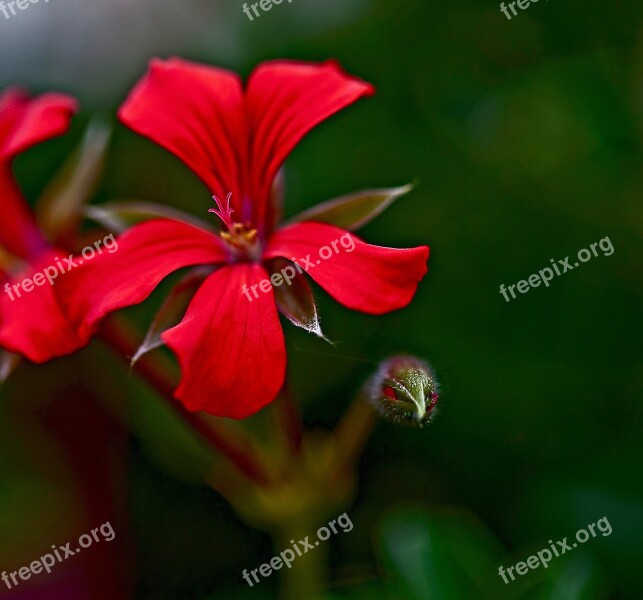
column 231, row 350
column 31, row 323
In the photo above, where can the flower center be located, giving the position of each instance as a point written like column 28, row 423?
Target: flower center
column 241, row 237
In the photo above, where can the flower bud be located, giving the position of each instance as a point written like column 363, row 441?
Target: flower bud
column 403, row 390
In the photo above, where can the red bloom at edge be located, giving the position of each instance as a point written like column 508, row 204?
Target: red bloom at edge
column 31, row 322
column 231, row 350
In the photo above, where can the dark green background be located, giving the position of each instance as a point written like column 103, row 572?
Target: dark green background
column 525, row 136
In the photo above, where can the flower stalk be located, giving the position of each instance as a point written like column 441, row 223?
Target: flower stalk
column 316, row 477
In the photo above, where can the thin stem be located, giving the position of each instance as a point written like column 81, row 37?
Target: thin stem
column 353, row 432
column 289, row 419
column 122, row 338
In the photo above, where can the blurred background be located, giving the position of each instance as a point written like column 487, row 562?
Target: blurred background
column 525, row 139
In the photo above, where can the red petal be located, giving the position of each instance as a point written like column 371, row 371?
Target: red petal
column 369, row 278
column 231, row 349
column 234, row 144
column 18, row 230
column 33, row 323
column 284, row 101
column 146, row 254
column 196, row 112
column 24, row 123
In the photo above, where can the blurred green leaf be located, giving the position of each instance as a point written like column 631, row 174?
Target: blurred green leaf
column 119, row 215
column 355, row 210
column 59, row 208
column 439, row 554
column 576, row 578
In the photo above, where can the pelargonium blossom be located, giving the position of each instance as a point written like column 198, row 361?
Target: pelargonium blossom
column 32, row 323
column 235, row 139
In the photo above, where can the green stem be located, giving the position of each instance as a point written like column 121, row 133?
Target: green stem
column 353, row 432
column 307, row 577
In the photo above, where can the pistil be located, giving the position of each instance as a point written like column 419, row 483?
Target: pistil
column 241, row 236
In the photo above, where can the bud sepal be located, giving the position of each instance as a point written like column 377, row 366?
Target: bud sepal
column 404, row 390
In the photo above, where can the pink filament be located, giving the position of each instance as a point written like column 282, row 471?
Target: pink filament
column 224, row 212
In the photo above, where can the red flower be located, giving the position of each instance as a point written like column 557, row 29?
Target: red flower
column 231, row 350
column 31, row 323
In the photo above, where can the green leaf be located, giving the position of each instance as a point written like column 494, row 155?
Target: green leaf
column 171, row 311
column 119, row 215
column 355, row 210
column 440, row 554
column 59, row 208
column 577, row 577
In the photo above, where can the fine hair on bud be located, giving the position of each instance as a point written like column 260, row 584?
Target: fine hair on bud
column 403, row 390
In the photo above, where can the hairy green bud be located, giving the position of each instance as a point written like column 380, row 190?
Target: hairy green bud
column 403, row 390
